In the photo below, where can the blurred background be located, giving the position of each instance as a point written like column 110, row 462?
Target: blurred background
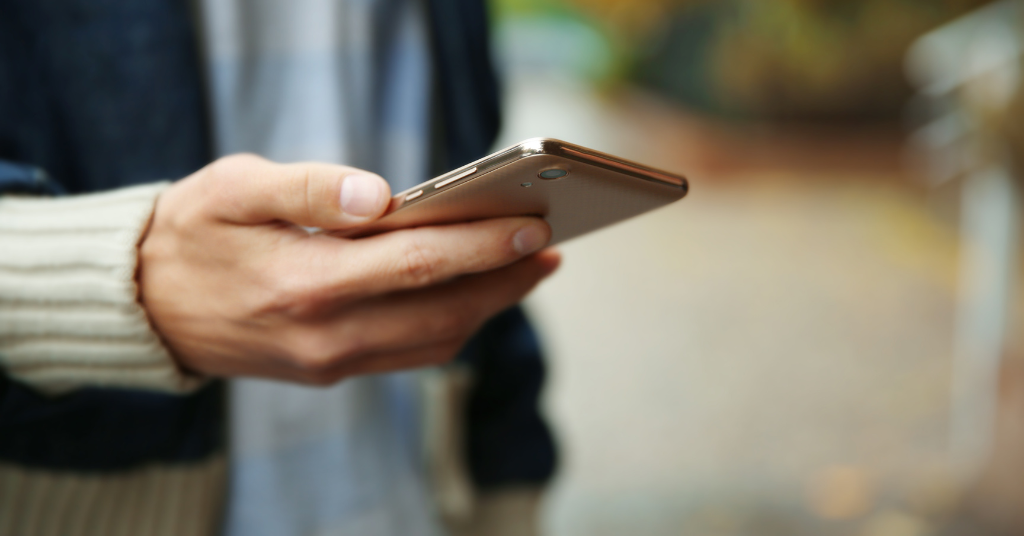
column 820, row 339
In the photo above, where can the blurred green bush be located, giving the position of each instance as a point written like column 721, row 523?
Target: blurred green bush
column 777, row 60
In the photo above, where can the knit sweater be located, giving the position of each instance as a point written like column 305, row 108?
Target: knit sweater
column 71, row 314
column 70, row 317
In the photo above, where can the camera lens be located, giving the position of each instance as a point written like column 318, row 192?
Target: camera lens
column 553, row 174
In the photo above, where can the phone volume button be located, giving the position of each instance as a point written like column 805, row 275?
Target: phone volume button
column 462, row 175
column 414, row 195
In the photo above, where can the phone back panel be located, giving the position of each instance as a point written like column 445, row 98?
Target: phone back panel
column 595, row 193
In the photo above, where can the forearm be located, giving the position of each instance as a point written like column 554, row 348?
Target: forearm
column 69, row 310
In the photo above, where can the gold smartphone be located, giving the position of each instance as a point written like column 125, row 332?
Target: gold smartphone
column 577, row 190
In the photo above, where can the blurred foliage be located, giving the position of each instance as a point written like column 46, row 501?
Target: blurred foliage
column 561, row 35
column 761, row 59
column 1012, row 127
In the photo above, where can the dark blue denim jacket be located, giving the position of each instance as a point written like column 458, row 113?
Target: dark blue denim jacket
column 100, row 94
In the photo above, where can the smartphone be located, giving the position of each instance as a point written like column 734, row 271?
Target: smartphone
column 577, row 190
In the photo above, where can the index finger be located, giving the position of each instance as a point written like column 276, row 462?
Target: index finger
column 420, row 257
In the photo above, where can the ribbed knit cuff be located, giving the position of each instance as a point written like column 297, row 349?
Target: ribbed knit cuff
column 69, row 313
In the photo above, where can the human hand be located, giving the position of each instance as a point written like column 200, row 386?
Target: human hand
column 235, row 287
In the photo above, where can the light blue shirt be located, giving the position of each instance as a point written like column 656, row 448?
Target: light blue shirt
column 345, row 82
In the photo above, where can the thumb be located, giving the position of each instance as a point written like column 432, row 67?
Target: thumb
column 254, row 190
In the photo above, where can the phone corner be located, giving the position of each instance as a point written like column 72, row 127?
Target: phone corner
column 540, row 146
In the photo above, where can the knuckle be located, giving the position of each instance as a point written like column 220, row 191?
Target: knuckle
column 313, row 353
column 317, row 352
column 309, row 195
column 278, row 296
column 420, row 263
column 291, row 294
column 222, row 179
column 225, row 168
column 301, row 193
column 451, row 324
column 228, row 170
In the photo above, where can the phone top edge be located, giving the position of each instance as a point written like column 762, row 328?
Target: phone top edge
column 534, row 147
column 553, row 146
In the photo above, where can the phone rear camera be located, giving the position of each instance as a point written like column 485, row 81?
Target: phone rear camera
column 550, row 174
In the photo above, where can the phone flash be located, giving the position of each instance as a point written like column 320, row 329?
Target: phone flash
column 526, row 184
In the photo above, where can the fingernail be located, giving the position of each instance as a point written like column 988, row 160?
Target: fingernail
column 361, row 195
column 530, row 239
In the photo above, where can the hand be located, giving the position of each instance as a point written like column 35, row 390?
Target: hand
column 236, row 287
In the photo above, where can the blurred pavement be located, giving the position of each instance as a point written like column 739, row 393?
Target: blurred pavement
column 769, row 356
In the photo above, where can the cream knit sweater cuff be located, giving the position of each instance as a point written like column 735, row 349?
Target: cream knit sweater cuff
column 69, row 313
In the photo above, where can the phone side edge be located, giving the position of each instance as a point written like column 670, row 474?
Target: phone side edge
column 544, row 146
column 480, row 167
